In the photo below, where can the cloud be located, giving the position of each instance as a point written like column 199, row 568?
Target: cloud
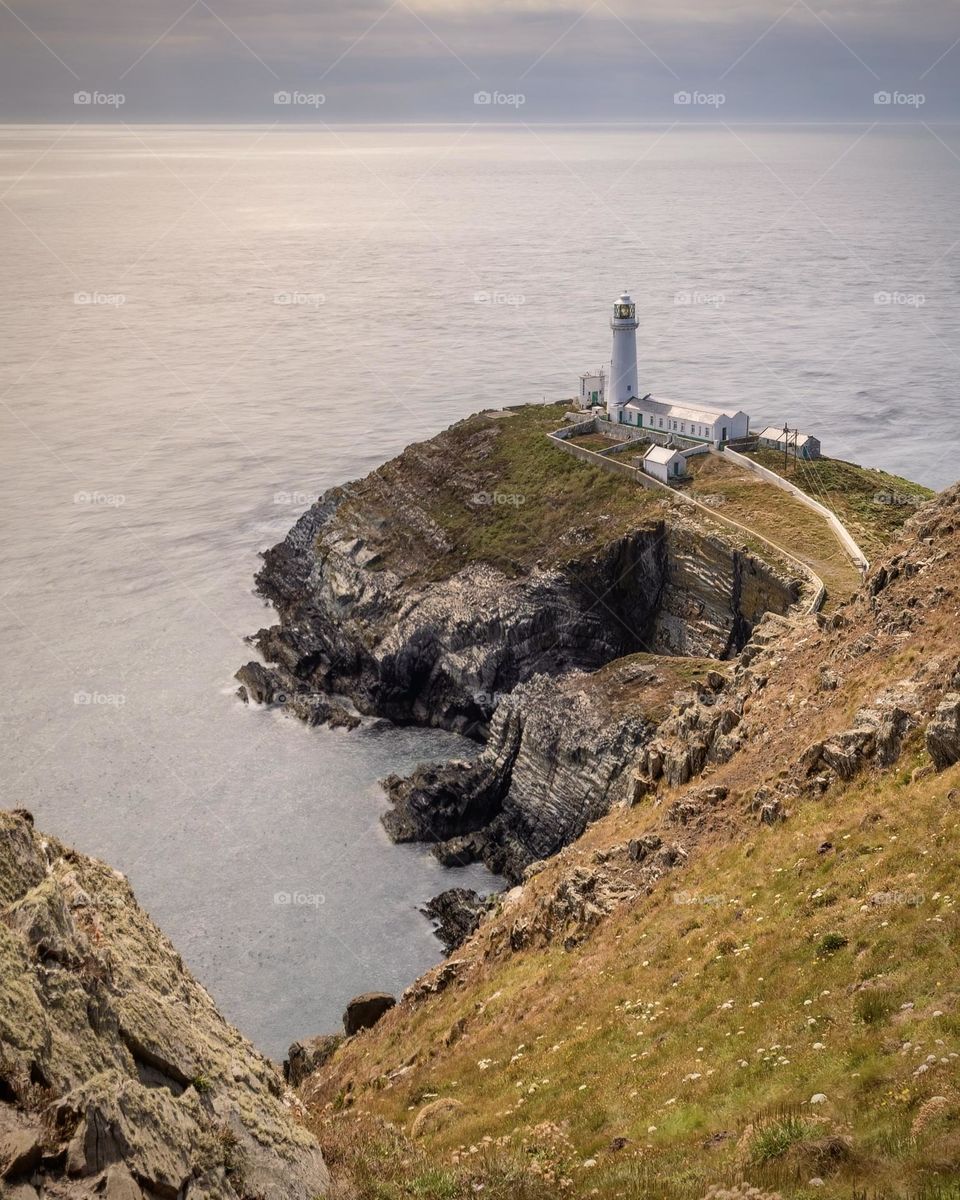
column 390, row 59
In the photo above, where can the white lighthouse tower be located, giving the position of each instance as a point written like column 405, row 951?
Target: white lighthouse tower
column 623, row 363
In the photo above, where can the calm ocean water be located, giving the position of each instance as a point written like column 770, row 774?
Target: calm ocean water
column 204, row 328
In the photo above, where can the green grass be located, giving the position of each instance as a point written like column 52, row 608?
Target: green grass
column 629, row 1038
column 872, row 504
column 744, row 496
column 495, row 489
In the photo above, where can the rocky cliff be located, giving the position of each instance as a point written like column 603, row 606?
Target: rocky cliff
column 118, row 1076
column 749, row 974
column 416, row 595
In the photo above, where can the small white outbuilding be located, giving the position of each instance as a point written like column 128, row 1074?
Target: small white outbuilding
column 593, row 389
column 803, row 445
column 664, row 463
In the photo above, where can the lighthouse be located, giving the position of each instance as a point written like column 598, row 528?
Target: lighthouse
column 623, row 362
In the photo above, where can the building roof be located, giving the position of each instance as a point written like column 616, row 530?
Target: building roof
column 662, row 454
column 684, row 412
column 774, row 433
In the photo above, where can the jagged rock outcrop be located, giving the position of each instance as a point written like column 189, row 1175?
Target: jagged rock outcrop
column 444, row 653
column 118, row 1076
column 378, row 606
column 554, row 761
column 380, row 601
column 457, row 913
column 943, row 732
column 307, row 1055
column 875, row 737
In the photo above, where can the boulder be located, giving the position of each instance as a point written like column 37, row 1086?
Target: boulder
column 943, row 732
column 20, row 1151
column 365, row 1010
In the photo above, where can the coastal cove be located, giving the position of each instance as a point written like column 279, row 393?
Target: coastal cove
column 161, row 444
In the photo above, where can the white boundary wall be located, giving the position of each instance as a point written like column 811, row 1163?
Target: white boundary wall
column 606, row 463
column 843, row 535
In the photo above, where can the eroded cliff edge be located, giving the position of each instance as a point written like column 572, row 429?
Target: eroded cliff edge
column 118, row 1076
column 479, row 582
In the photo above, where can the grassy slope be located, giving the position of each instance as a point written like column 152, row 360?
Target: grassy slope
column 494, row 489
column 872, row 504
column 697, row 1021
column 748, row 498
column 632, row 1037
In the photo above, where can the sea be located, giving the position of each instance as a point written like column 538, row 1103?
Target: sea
column 206, row 327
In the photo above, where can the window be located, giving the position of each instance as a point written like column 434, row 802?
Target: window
column 661, row 422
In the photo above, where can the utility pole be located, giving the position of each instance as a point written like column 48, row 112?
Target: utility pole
column 786, row 445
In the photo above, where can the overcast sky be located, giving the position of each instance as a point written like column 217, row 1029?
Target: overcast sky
column 425, row 60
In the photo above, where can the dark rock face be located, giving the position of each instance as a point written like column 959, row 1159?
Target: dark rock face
column 365, row 1010
column 118, row 1076
column 458, row 912
column 554, row 761
column 943, row 732
column 306, row 1056
column 444, row 653
column 501, row 659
